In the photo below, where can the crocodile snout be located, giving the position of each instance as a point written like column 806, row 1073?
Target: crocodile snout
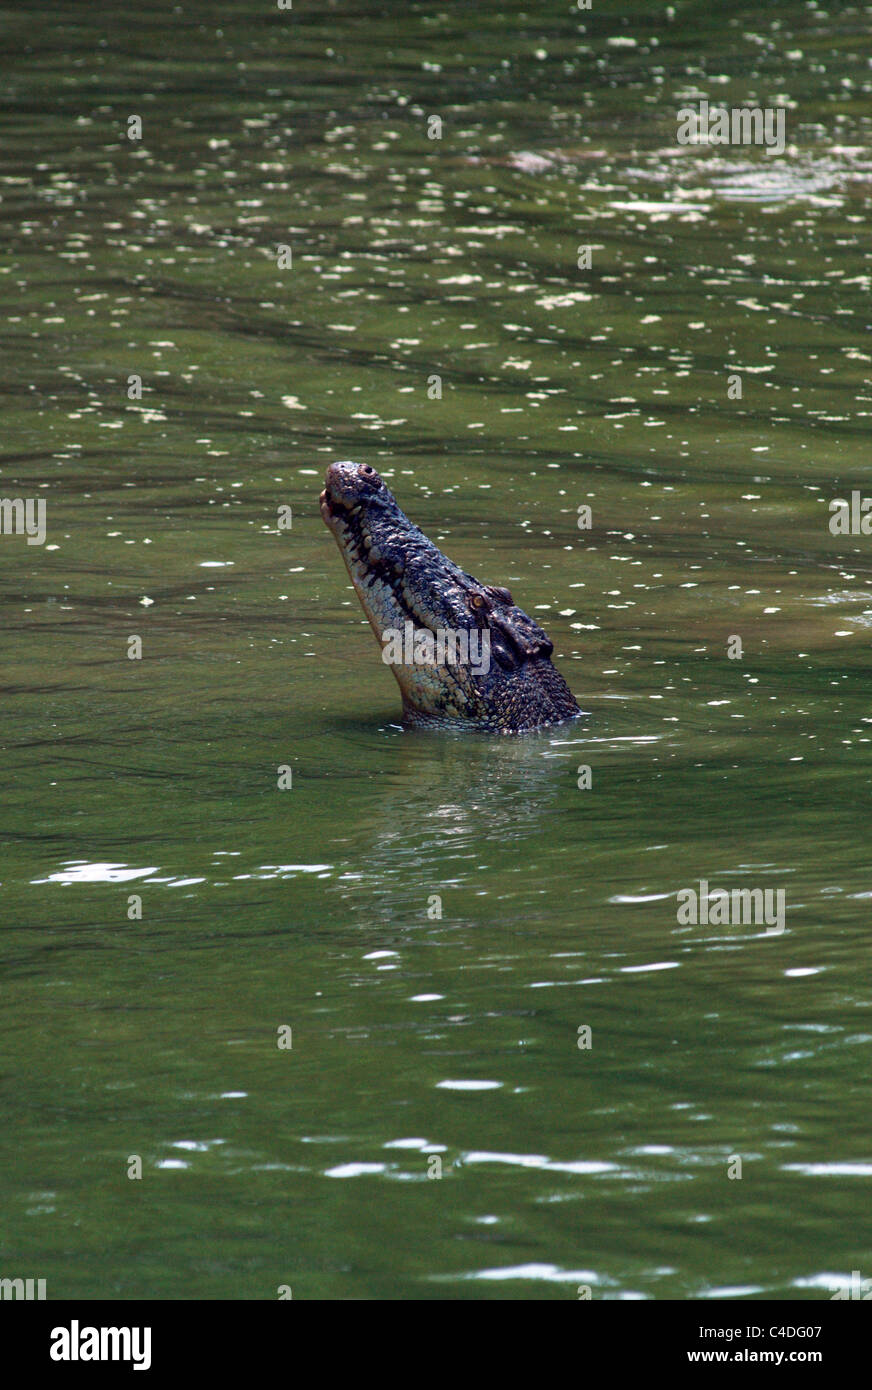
column 347, row 485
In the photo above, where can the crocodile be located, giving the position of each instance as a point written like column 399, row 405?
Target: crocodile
column 464, row 655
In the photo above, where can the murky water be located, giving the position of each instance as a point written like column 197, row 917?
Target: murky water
column 424, row 1042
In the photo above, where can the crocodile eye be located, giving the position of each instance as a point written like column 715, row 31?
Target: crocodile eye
column 478, row 601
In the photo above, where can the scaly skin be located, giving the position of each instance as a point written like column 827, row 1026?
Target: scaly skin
column 402, row 577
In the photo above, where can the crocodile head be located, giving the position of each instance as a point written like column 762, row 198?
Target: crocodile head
column 463, row 653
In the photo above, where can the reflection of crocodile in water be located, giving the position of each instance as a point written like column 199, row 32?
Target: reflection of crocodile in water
column 402, row 578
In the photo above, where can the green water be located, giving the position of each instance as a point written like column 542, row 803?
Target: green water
column 418, row 1037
